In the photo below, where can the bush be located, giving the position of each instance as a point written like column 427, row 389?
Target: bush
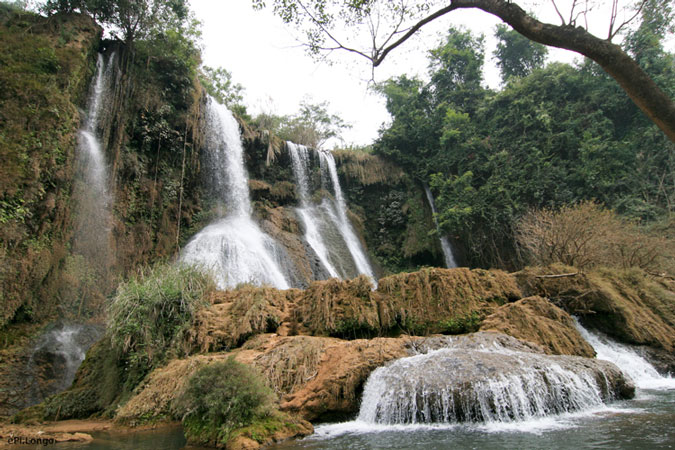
column 221, row 398
column 150, row 313
column 586, row 235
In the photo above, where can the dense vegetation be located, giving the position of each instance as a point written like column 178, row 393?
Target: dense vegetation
column 553, row 136
column 221, row 398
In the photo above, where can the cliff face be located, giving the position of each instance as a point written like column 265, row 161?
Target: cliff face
column 149, row 137
column 150, row 140
column 45, row 67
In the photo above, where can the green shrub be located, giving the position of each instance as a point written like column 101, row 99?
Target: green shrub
column 150, row 313
column 221, row 398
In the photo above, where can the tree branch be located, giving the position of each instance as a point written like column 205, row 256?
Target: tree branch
column 633, row 80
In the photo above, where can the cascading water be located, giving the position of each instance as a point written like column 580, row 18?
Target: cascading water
column 57, row 356
column 338, row 214
column 635, row 366
column 92, row 232
column 445, row 243
column 451, row 386
column 307, row 212
column 233, row 247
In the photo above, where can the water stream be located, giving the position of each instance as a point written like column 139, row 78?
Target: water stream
column 309, row 213
column 551, row 407
column 337, row 211
column 92, row 191
column 635, row 366
column 445, row 243
column 233, row 247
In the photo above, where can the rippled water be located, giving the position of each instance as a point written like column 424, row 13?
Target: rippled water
column 643, row 423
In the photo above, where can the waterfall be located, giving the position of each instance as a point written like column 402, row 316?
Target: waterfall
column 57, row 355
column 635, row 366
column 487, row 385
column 92, row 234
column 445, row 243
column 307, row 212
column 338, row 214
column 233, row 247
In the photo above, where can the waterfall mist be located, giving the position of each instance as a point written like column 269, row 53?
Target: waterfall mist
column 233, row 247
column 92, row 186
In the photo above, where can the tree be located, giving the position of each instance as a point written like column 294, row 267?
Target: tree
column 312, row 126
column 132, row 19
column 319, row 19
column 218, row 83
column 516, row 55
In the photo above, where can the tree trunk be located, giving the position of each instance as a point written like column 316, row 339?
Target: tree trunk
column 633, row 80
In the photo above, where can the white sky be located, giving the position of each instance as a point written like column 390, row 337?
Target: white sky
column 264, row 56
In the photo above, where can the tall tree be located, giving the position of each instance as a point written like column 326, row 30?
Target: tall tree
column 516, row 55
column 320, row 17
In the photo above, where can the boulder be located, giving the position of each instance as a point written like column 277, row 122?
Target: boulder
column 537, row 320
column 486, row 377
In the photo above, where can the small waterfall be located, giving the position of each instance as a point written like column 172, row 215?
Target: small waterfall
column 491, row 385
column 57, row 356
column 307, row 212
column 339, row 216
column 635, row 366
column 445, row 243
column 234, row 247
column 92, row 234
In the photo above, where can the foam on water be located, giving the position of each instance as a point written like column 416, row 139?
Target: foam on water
column 234, row 248
column 635, row 366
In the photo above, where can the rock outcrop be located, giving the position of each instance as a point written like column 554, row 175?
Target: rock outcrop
column 537, row 320
column 485, row 377
column 627, row 305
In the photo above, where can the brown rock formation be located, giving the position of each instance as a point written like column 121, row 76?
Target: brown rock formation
column 628, row 305
column 536, row 320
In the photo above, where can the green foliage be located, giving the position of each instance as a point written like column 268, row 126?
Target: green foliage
column 460, row 325
column 516, row 55
column 149, row 315
column 218, row 83
column 556, row 136
column 221, row 398
column 312, row 126
column 128, row 20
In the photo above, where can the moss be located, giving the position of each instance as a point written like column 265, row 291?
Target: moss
column 97, row 389
column 460, row 325
column 43, row 79
column 339, row 308
column 432, row 299
column 628, row 305
column 237, row 315
column 427, row 301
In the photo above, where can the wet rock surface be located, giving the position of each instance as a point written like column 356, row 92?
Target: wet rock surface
column 486, row 377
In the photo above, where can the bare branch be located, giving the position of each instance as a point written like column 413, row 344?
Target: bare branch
column 441, row 12
column 626, row 22
column 562, row 19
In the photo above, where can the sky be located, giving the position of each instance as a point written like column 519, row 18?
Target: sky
column 266, row 57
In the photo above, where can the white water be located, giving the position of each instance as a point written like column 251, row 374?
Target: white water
column 423, row 389
column 339, row 216
column 234, row 247
column 635, row 366
column 93, row 225
column 308, row 212
column 445, row 243
column 65, row 349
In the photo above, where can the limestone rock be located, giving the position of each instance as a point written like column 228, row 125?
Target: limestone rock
column 536, row 320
